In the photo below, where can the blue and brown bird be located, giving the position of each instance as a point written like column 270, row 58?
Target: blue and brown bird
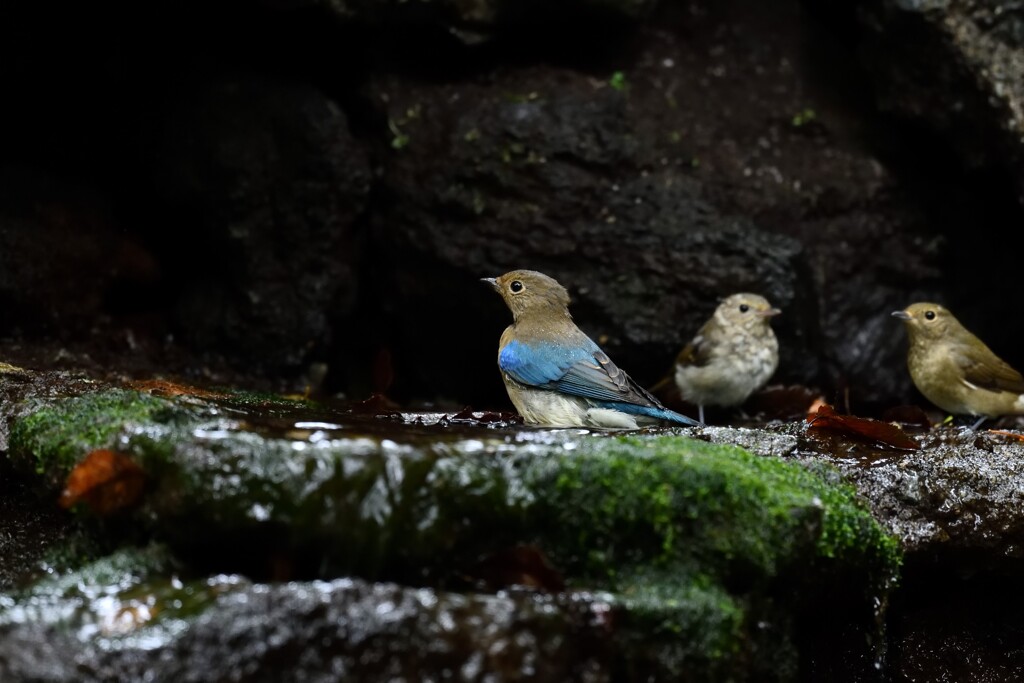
column 732, row 355
column 555, row 374
column 954, row 369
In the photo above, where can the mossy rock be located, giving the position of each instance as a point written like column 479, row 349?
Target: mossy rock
column 698, row 544
column 57, row 433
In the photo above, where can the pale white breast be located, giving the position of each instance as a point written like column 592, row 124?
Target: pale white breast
column 736, row 370
column 552, row 409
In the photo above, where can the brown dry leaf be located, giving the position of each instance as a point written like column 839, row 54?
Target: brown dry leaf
column 1002, row 432
column 883, row 433
column 105, row 481
column 163, row 387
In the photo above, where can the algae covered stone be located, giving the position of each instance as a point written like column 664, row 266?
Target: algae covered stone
column 713, row 562
column 56, row 433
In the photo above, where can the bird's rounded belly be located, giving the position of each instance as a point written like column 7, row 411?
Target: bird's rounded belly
column 720, row 384
column 941, row 385
column 542, row 407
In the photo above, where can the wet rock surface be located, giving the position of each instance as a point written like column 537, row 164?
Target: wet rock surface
column 959, row 496
column 956, row 507
column 128, row 626
column 962, row 494
column 655, row 550
column 694, row 547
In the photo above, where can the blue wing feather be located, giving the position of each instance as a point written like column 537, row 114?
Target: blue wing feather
column 581, row 370
column 538, row 365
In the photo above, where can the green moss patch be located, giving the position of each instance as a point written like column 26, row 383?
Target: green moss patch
column 61, row 431
column 713, row 507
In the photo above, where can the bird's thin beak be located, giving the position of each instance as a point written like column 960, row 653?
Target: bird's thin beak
column 493, row 282
column 770, row 313
column 902, row 315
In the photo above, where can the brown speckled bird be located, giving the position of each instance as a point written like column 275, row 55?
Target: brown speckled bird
column 731, row 357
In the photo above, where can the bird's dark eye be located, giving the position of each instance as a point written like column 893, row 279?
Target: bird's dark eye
column 929, row 315
column 744, row 308
column 516, row 286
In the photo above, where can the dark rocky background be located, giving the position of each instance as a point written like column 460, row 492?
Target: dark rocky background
column 305, row 192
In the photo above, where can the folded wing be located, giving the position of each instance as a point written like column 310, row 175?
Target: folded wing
column 580, row 370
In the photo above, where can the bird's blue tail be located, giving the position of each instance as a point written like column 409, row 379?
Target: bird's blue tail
column 651, row 411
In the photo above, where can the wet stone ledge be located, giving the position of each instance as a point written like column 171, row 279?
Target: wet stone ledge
column 666, row 554
column 960, row 495
column 121, row 619
column 956, row 506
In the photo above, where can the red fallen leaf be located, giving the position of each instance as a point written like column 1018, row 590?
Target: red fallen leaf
column 163, row 387
column 884, row 433
column 105, row 481
column 521, row 565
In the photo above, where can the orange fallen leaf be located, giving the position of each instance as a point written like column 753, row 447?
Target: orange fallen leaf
column 105, row 481
column 883, row 433
column 815, row 406
column 163, row 387
column 1003, row 432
